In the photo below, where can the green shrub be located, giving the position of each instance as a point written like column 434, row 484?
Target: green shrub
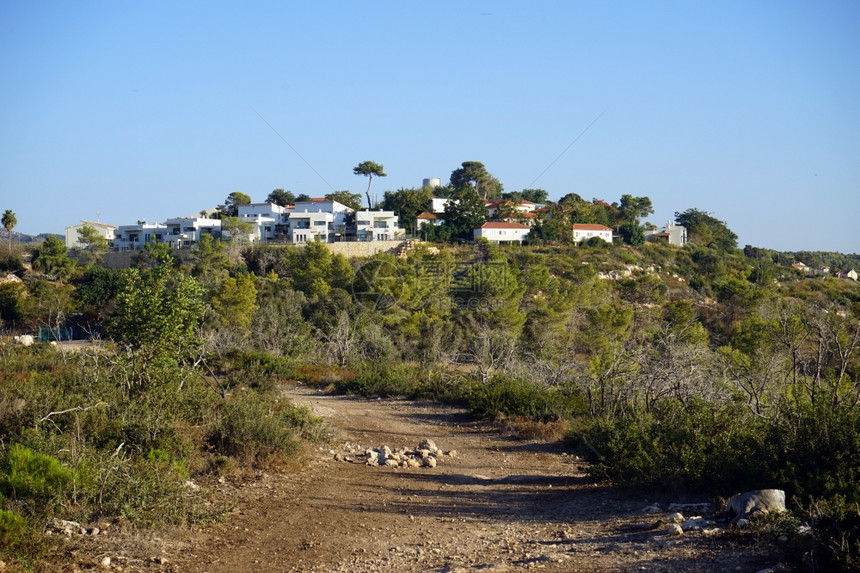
column 253, row 428
column 14, row 529
column 836, row 535
column 148, row 490
column 513, row 397
column 258, row 370
column 35, row 477
column 713, row 447
column 381, row 379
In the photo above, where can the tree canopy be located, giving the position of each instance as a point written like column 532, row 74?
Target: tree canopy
column 706, row 230
column 474, row 176
column 464, row 213
column 281, row 197
column 231, row 204
column 408, row 204
column 369, row 169
column 9, row 222
column 351, row 200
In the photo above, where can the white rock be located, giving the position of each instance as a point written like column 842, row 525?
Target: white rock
column 675, row 529
column 676, row 518
column 695, row 523
column 655, row 508
column 427, row 444
column 105, row 563
column 25, row 340
column 430, row 462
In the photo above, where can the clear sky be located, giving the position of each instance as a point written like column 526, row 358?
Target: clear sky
column 748, row 110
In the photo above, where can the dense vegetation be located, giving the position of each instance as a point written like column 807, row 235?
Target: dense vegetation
column 702, row 367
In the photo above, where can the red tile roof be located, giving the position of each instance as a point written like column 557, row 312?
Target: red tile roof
column 589, row 227
column 426, row 215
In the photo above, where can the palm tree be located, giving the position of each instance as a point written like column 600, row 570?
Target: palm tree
column 369, row 169
column 9, row 221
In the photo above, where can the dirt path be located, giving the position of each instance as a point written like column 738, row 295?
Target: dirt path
column 499, row 505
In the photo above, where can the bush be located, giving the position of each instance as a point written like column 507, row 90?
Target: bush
column 37, row 478
column 513, row 397
column 254, row 429
column 713, row 447
column 13, row 529
column 381, row 379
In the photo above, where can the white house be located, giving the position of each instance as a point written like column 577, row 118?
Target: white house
column 376, row 225
column 672, row 233
column 73, row 238
column 269, row 221
column 310, row 226
column 501, row 232
column 429, row 218
column 585, row 231
column 437, row 204
column 186, row 231
column 317, row 220
column 133, row 237
column 848, row 274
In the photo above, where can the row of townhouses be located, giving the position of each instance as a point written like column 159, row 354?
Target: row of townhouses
column 322, row 220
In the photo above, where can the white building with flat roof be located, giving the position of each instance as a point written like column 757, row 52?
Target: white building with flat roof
column 376, row 225
column 186, row 231
column 134, row 237
column 671, row 233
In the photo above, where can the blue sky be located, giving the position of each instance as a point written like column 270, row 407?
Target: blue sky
column 747, row 110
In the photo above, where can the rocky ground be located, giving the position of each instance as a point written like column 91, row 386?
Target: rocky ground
column 486, row 502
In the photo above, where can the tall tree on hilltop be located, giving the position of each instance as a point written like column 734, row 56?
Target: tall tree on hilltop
column 473, row 175
column 632, row 208
column 9, row 222
column 369, row 169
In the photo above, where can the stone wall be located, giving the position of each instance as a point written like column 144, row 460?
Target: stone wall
column 124, row 259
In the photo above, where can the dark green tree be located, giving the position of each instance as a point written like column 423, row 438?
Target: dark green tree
column 474, row 176
column 706, row 230
column 351, row 200
column 230, row 207
column 465, row 212
column 281, row 197
column 369, row 169
column 535, row 195
column 52, row 258
column 408, row 204
column 634, row 208
column 631, row 233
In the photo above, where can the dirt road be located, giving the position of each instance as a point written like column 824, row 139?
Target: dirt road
column 500, row 505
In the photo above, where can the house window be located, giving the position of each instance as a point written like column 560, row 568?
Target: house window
column 319, row 223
